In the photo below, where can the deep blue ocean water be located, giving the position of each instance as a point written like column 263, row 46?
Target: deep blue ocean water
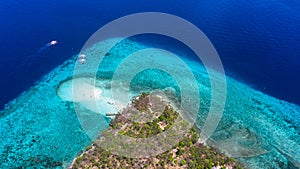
column 258, row 41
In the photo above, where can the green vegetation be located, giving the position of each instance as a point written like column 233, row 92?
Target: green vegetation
column 188, row 153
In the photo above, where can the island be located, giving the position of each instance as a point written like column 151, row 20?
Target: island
column 189, row 152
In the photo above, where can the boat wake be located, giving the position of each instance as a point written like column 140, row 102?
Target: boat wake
column 26, row 64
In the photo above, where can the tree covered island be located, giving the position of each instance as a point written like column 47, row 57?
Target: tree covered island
column 186, row 153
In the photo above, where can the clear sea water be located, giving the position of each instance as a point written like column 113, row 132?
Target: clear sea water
column 258, row 43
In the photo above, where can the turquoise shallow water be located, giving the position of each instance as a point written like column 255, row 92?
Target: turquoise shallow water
column 41, row 130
